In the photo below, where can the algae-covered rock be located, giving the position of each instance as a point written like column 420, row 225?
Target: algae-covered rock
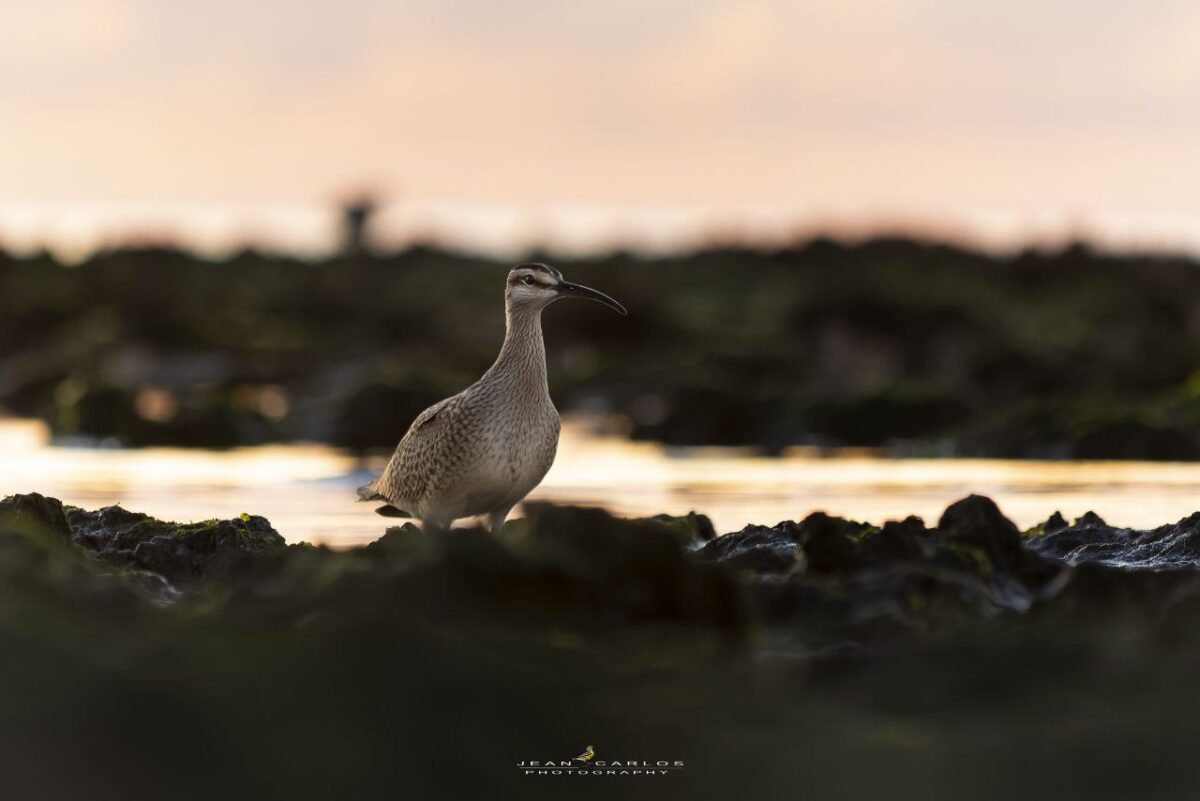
column 976, row 525
column 183, row 553
column 976, row 520
column 43, row 576
column 831, row 545
column 35, row 515
column 905, row 540
column 695, row 529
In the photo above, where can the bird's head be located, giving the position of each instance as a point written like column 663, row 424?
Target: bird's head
column 536, row 286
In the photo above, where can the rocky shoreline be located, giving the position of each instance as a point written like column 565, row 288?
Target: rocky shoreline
column 827, row 640
column 973, row 563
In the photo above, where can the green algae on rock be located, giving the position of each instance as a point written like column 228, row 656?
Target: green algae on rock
column 183, row 553
column 35, row 515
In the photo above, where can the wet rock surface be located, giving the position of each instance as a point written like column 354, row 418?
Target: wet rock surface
column 181, row 553
column 1090, row 539
column 153, row 659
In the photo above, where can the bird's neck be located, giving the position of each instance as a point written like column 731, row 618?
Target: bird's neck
column 523, row 354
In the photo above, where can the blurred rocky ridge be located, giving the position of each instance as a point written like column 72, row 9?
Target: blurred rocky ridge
column 146, row 659
column 915, row 347
column 974, row 559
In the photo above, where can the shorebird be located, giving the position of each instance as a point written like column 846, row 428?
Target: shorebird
column 481, row 451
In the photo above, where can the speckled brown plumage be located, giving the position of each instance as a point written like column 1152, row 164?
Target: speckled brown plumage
column 483, row 450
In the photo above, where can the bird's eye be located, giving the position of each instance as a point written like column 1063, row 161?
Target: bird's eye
column 528, row 280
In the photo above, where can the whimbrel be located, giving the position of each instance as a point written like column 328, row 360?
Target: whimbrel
column 484, row 449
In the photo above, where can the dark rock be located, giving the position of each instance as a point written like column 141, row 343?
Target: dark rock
column 1056, row 522
column 42, row 575
column 902, row 574
column 977, row 521
column 821, row 578
column 695, row 528
column 761, row 549
column 1094, row 589
column 35, row 515
column 830, row 543
column 974, row 533
column 1090, row 539
column 636, row 570
column 183, row 553
column 904, row 541
column 398, row 539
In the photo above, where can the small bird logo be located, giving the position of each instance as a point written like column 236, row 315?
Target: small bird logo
column 588, row 754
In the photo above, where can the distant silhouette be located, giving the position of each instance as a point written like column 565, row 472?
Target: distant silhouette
column 356, row 219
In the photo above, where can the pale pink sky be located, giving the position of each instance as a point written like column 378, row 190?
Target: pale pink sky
column 498, row 124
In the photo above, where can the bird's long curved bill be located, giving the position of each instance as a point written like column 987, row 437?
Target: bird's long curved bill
column 567, row 289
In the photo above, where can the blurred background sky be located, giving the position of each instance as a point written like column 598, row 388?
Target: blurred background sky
column 495, row 125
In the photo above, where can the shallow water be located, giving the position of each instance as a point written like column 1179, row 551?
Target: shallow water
column 307, row 491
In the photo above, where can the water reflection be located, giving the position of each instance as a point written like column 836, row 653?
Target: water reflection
column 307, row 491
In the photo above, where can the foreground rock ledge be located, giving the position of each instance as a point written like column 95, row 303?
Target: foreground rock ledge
column 822, row 578
column 951, row 661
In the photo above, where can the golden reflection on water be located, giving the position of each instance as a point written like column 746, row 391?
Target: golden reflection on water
column 307, row 491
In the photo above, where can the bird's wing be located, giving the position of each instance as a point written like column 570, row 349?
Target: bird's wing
column 428, row 415
column 418, row 457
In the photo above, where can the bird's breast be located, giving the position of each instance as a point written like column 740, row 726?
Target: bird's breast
column 509, row 460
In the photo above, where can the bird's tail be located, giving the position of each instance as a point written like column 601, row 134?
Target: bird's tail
column 369, row 492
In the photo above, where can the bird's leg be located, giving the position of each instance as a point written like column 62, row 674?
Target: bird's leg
column 496, row 519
